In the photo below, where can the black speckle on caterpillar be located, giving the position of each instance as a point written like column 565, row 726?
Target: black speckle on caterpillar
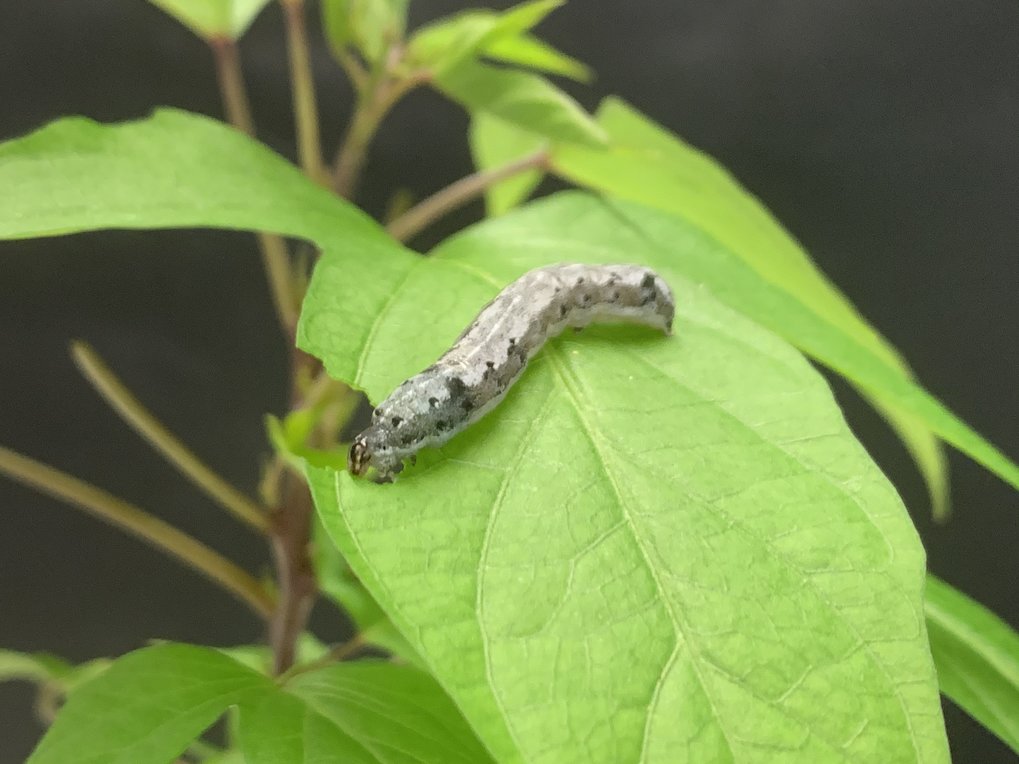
column 473, row 376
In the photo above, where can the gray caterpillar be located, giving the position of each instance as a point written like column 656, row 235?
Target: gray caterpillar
column 473, row 376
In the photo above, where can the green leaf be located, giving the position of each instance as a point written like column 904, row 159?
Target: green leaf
column 287, row 437
column 338, row 582
column 527, row 50
column 656, row 549
column 371, row 25
column 336, row 23
column 977, row 657
column 147, row 706
column 523, row 99
column 650, row 165
column 495, row 143
column 214, row 18
column 171, row 170
column 447, row 42
column 358, row 712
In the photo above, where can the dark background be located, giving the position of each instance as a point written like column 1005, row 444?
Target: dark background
column 884, row 135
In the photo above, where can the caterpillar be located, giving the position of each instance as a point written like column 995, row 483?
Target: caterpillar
column 472, row 377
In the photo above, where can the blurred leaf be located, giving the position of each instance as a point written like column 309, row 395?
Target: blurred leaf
column 147, row 707
column 43, row 667
column 337, row 24
column 366, row 712
column 977, row 657
column 371, row 25
column 447, row 42
column 214, row 18
column 31, row 667
column 288, row 437
column 648, row 164
column 656, row 549
column 495, row 143
column 527, row 50
column 520, row 98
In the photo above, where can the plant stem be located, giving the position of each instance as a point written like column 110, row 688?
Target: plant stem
column 151, row 429
column 458, row 194
column 374, row 101
column 309, row 144
column 291, row 534
column 355, row 71
column 231, row 84
column 336, row 654
column 130, row 518
column 275, row 259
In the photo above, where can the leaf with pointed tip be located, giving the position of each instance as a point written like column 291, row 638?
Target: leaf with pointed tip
column 523, row 99
column 363, row 713
column 443, row 44
column 148, row 706
column 214, row 18
column 527, row 50
column 977, row 657
column 666, row 549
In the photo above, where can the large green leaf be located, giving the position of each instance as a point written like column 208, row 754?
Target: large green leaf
column 148, row 706
column 173, row 169
column 495, row 143
column 977, row 657
column 648, row 164
column 374, row 713
column 523, row 99
column 214, row 18
column 657, row 549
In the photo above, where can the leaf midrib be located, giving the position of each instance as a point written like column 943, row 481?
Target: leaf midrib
column 679, row 632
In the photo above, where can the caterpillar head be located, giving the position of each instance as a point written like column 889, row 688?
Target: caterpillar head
column 360, row 456
column 372, row 448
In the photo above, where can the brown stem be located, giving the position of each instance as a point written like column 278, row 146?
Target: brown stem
column 275, row 259
column 458, row 194
column 336, row 654
column 291, row 534
column 309, row 144
column 145, row 424
column 231, row 84
column 130, row 518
